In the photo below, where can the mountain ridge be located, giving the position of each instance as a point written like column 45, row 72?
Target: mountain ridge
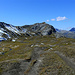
column 65, row 33
column 72, row 29
column 9, row 31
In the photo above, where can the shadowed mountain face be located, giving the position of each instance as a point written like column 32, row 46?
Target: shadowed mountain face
column 10, row 31
column 72, row 30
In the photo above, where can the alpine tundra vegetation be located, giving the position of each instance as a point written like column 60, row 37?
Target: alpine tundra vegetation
column 36, row 49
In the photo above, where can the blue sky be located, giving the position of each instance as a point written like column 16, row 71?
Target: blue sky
column 59, row 13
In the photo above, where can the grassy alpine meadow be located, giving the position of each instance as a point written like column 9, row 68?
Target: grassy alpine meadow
column 51, row 63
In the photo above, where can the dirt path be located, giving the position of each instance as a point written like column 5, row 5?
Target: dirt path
column 67, row 60
column 11, row 60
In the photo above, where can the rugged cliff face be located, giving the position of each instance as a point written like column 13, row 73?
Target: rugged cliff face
column 10, row 31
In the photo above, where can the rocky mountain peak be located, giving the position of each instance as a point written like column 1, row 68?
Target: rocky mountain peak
column 9, row 31
column 73, row 29
column 40, row 23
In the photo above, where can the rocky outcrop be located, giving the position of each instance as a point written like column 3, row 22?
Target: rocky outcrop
column 41, row 29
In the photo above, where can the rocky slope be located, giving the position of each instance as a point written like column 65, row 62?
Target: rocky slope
column 64, row 33
column 9, row 31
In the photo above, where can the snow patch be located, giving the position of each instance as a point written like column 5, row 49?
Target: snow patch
column 12, row 28
column 1, row 53
column 13, row 40
column 1, row 31
column 42, row 43
column 32, row 45
column 1, row 38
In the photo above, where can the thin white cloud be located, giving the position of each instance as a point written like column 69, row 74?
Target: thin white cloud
column 52, row 19
column 68, row 27
column 60, row 18
column 47, row 20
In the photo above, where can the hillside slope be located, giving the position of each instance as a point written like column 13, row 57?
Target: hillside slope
column 38, row 55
